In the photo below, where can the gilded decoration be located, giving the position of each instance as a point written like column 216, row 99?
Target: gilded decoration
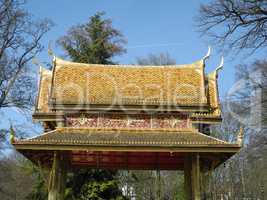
column 137, row 121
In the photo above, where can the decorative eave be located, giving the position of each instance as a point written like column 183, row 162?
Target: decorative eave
column 206, row 120
column 126, row 148
column 116, row 107
column 211, row 117
column 43, row 91
column 186, row 140
column 48, row 116
column 232, row 148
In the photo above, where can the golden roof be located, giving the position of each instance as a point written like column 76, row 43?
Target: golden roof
column 179, row 85
column 125, row 149
column 130, row 137
column 76, row 83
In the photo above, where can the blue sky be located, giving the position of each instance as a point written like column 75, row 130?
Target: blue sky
column 149, row 26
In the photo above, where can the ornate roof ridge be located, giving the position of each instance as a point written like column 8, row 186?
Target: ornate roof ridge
column 34, row 137
column 59, row 62
column 214, row 138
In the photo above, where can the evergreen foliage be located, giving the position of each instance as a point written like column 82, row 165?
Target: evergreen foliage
column 95, row 42
column 39, row 189
column 95, row 184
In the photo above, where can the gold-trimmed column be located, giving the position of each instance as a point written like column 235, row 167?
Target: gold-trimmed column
column 57, row 180
column 192, row 177
column 187, row 177
column 158, row 185
column 195, row 177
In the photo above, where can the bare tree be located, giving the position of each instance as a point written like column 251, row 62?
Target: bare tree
column 235, row 24
column 243, row 176
column 251, row 93
column 241, row 25
column 19, row 43
column 17, row 177
column 156, row 59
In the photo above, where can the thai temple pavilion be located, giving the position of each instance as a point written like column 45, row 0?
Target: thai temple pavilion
column 127, row 117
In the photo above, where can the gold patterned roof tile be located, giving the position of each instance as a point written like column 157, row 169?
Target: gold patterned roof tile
column 77, row 83
column 82, row 136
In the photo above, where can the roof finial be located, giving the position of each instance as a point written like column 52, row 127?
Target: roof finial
column 220, row 65
column 50, row 51
column 208, row 54
column 240, row 136
column 12, row 134
column 35, row 61
column 214, row 74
